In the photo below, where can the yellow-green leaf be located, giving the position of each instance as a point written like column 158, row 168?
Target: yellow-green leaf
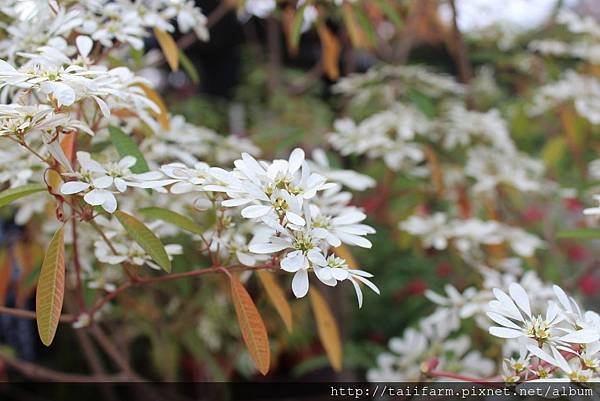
column 329, row 333
column 51, row 288
column 252, row 326
column 276, row 296
column 172, row 217
column 169, row 48
column 11, row 195
column 189, row 67
column 145, row 238
column 330, row 52
column 163, row 116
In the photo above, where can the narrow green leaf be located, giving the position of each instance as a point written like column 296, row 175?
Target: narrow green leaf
column 172, row 217
column 127, row 147
column 11, row 195
column 51, row 288
column 366, row 25
column 582, row 234
column 188, row 67
column 145, row 238
column 389, row 10
column 296, row 31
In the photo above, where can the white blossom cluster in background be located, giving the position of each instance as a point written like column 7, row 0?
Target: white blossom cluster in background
column 56, row 82
column 574, row 87
column 469, row 235
column 400, row 134
column 466, row 154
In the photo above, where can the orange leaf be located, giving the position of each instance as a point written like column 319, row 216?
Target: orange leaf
column 252, row 326
column 163, row 116
column 5, row 275
column 169, row 48
column 51, row 288
column 68, row 146
column 330, row 53
column 329, row 333
column 436, row 171
column 276, row 297
column 357, row 36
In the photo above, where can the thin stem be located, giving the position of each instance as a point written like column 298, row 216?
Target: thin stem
column 28, row 314
column 104, row 237
column 456, row 376
column 465, row 69
column 34, row 371
column 77, row 264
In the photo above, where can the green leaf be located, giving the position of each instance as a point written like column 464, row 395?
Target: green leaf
column 11, row 195
column 366, row 25
column 188, row 67
column 582, row 234
column 173, row 218
column 389, row 10
column 127, row 147
column 296, row 30
column 145, row 238
column 51, row 288
column 423, row 102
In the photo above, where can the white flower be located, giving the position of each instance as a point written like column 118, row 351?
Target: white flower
column 513, row 314
column 186, row 179
column 95, row 180
column 342, row 228
column 336, row 269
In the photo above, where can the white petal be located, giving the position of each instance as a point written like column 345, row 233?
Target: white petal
column 359, row 294
column 127, row 162
column 503, row 332
column 293, row 262
column 315, row 256
column 498, row 318
column 543, row 355
column 235, row 202
column 508, row 304
column 84, row 45
column 267, row 247
column 121, row 185
column 300, row 283
column 110, row 204
column 369, row 284
column 520, row 296
column 562, row 298
column 95, row 197
column 295, row 218
column 255, row 211
column 296, row 159
column 340, row 274
column 103, row 182
column 583, row 336
column 73, row 187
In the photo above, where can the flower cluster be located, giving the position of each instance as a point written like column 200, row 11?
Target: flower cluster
column 559, row 340
column 298, row 216
column 468, row 235
column 35, row 24
column 580, row 89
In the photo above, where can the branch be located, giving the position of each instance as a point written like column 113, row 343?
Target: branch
column 465, row 69
column 33, row 371
column 77, row 264
column 140, row 281
column 28, row 314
